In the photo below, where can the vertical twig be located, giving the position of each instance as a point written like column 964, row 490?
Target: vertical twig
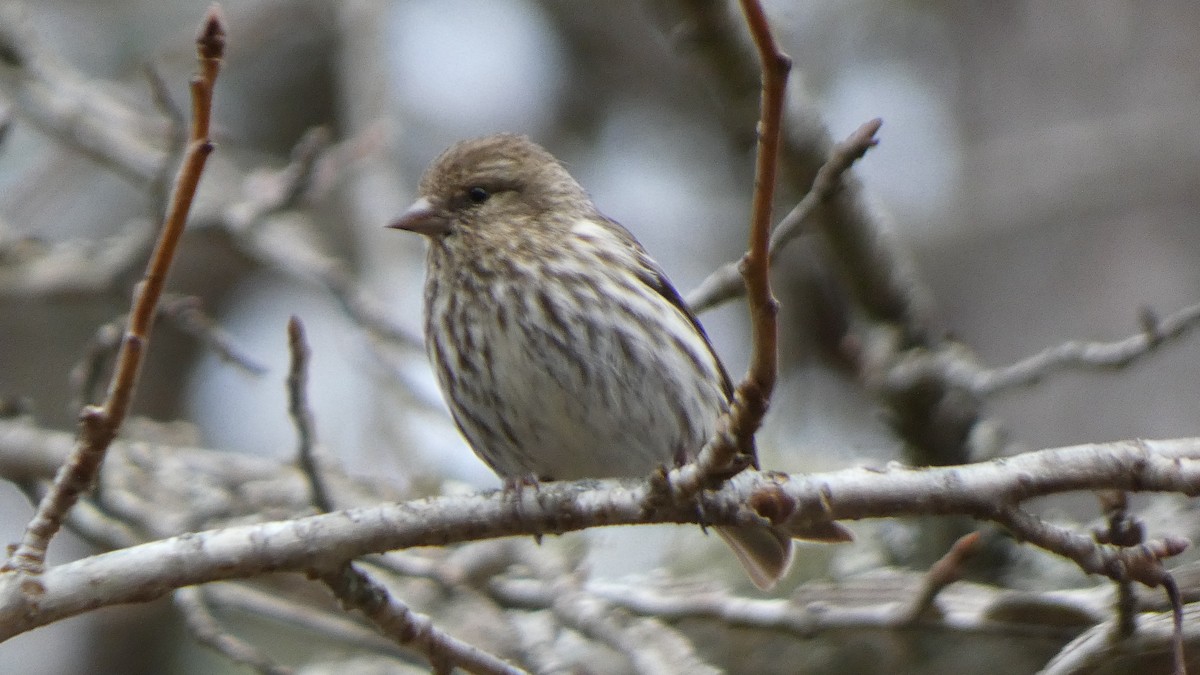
column 731, row 447
column 297, row 387
column 100, row 424
column 755, row 265
column 1178, row 655
column 354, row 587
column 1123, row 530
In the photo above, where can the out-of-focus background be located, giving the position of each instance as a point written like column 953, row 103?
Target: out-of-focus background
column 1038, row 161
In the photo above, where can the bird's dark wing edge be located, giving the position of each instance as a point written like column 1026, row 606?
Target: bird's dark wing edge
column 651, row 275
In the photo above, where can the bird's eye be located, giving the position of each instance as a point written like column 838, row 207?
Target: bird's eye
column 478, row 195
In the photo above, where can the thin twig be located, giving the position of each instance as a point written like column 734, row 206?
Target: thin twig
column 650, row 645
column 177, row 132
column 731, row 447
column 34, row 269
column 297, row 388
column 1123, row 530
column 66, row 106
column 207, row 630
column 818, row 608
column 411, row 629
column 186, row 313
column 85, row 377
column 941, row 574
column 1177, row 654
column 760, row 380
column 1081, row 355
column 298, row 613
column 99, row 424
column 1142, row 563
column 725, row 283
column 352, row 585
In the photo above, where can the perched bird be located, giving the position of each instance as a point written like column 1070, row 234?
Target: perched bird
column 561, row 347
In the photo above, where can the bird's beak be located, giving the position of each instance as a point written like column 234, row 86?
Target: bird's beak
column 422, row 218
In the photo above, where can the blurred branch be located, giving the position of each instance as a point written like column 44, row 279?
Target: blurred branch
column 33, row 269
column 1079, row 355
column 64, row 105
column 99, row 424
column 245, row 598
column 877, row 602
column 1124, row 529
column 208, row 631
column 353, row 586
column 650, row 645
column 944, row 572
column 302, row 417
column 185, row 313
column 725, row 282
column 878, row 274
column 358, row 591
column 1156, row 634
column 81, row 114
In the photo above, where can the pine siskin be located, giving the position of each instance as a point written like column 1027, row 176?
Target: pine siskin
column 562, row 349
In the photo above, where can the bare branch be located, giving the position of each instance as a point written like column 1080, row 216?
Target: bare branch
column 1078, row 355
column 302, row 417
column 411, row 629
column 879, row 602
column 651, row 646
column 204, row 627
column 61, row 103
column 731, row 447
column 31, row 269
column 188, row 316
column 1157, row 633
column 725, row 283
column 1123, row 530
column 944, row 572
column 878, row 273
column 244, row 597
column 99, row 425
column 326, row 541
column 354, row 587
column 1141, row 563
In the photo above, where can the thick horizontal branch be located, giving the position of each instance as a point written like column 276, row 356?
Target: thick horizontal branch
column 987, row 490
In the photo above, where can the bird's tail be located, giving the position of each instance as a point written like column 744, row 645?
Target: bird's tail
column 764, row 552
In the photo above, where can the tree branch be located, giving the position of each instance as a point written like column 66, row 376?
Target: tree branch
column 987, row 491
column 207, row 630
column 99, row 424
column 413, row 629
column 725, row 282
column 733, row 439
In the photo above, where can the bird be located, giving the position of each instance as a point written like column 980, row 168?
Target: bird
column 562, row 349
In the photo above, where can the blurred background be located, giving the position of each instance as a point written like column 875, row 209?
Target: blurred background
column 1038, row 164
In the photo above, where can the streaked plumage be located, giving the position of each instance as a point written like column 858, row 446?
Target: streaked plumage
column 562, row 349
